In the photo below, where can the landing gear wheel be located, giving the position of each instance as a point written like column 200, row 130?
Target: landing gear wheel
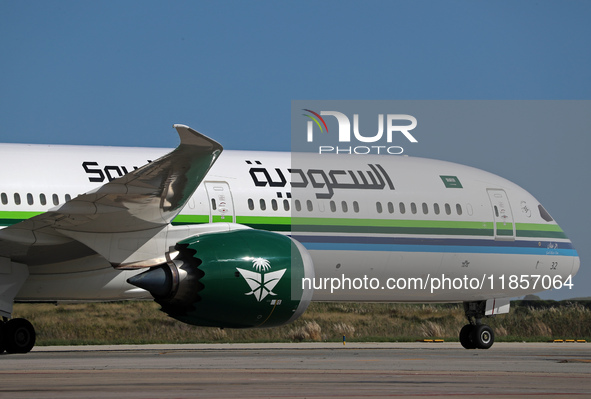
column 483, row 336
column 1, row 337
column 466, row 336
column 18, row 336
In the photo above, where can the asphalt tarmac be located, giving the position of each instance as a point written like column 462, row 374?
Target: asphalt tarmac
column 314, row 370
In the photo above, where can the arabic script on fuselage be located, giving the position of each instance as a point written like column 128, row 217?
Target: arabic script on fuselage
column 327, row 181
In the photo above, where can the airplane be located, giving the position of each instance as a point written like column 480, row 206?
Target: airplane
column 247, row 239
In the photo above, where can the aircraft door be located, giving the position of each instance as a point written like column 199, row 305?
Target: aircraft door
column 221, row 205
column 504, row 226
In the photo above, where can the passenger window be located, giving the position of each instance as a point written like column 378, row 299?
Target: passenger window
column 274, row 204
column 30, row 199
column 425, row 208
column 355, row 207
column 4, row 198
column 17, row 198
column 68, row 197
column 263, row 205
column 345, row 206
column 413, row 208
column 447, row 209
column 436, row 208
column 286, row 205
column 333, row 206
column 251, row 204
column 309, row 205
column 42, row 199
column 390, row 207
column 402, row 208
column 298, row 205
column 459, row 209
column 55, row 199
column 379, row 207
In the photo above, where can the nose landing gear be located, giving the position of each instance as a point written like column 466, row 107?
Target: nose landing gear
column 476, row 335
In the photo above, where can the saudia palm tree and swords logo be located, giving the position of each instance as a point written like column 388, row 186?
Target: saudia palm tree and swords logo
column 261, row 284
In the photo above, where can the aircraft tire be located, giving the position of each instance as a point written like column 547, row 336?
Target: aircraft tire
column 466, row 336
column 19, row 336
column 483, row 336
column 1, row 337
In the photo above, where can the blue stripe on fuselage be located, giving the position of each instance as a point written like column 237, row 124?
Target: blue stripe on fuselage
column 454, row 245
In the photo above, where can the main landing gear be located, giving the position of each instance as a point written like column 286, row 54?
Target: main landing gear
column 16, row 336
column 476, row 335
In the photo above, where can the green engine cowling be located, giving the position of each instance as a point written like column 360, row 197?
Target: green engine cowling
column 236, row 279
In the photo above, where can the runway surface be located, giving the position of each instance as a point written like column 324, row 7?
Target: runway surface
column 315, row 370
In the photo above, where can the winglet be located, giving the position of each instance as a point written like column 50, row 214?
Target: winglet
column 146, row 198
column 190, row 136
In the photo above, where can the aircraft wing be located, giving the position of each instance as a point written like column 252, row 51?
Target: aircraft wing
column 143, row 200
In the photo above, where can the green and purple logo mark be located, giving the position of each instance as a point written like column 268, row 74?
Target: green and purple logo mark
column 311, row 127
column 349, row 132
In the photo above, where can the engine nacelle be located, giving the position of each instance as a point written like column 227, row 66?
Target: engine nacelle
column 236, row 279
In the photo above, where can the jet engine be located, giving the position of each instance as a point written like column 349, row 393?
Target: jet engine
column 236, row 279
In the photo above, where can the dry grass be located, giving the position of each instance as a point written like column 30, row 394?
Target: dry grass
column 142, row 322
column 310, row 331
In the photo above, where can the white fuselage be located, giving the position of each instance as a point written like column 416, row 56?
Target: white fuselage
column 364, row 219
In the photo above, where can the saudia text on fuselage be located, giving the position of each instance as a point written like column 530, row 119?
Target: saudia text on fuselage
column 391, row 126
column 326, row 181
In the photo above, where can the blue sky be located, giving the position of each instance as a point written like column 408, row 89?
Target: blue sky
column 121, row 73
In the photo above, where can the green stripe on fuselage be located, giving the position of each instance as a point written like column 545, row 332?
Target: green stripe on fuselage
column 10, row 218
column 349, row 225
column 386, row 226
column 190, row 219
column 504, row 229
column 539, row 230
